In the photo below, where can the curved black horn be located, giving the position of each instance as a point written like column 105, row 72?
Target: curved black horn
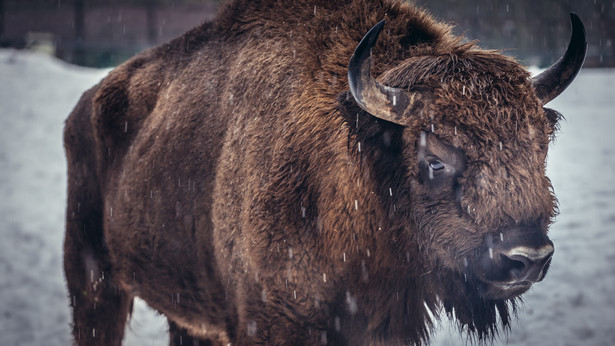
column 550, row 83
column 386, row 103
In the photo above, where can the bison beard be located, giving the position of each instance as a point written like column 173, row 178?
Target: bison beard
column 260, row 180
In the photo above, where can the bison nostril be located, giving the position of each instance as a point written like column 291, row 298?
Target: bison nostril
column 524, row 264
column 516, row 265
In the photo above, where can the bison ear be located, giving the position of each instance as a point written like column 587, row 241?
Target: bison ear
column 390, row 104
column 554, row 80
column 553, row 117
column 375, row 134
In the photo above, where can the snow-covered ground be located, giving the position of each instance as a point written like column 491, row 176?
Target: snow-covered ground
column 574, row 305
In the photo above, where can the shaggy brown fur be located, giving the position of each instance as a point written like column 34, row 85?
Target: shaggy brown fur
column 230, row 180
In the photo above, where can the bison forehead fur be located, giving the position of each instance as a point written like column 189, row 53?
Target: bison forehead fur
column 231, row 180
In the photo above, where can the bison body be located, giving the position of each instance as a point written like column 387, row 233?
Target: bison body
column 235, row 181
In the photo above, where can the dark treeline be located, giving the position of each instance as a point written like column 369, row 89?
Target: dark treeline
column 97, row 32
column 106, row 32
column 536, row 31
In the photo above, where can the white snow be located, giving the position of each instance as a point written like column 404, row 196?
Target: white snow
column 574, row 305
column 36, row 94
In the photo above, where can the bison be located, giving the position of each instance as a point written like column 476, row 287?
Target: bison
column 259, row 181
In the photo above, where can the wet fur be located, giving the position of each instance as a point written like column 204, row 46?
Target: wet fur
column 219, row 178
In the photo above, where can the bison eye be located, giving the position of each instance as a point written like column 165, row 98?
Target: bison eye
column 436, row 165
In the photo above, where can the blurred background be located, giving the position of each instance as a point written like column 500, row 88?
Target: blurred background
column 103, row 33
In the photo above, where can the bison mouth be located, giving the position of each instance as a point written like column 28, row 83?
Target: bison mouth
column 501, row 290
column 486, row 290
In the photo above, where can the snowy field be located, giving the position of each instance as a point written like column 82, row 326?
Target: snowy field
column 574, row 305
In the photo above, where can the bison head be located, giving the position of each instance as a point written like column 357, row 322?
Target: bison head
column 473, row 137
